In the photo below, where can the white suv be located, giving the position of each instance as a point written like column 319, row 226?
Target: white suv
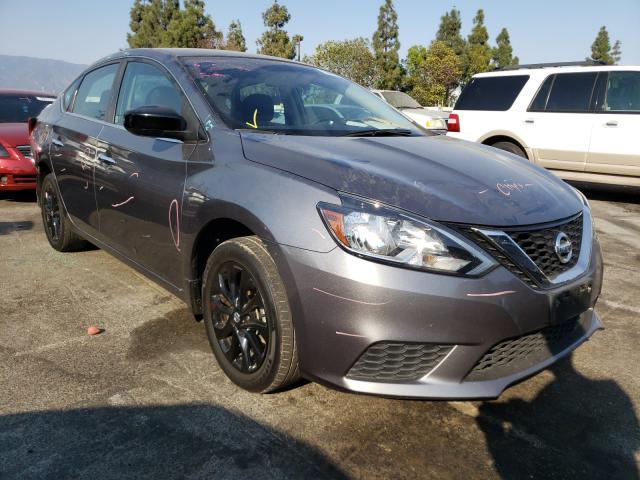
column 582, row 122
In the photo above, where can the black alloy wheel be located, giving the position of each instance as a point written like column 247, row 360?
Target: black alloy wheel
column 241, row 324
column 52, row 213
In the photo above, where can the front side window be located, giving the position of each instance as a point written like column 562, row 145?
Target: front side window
column 92, row 99
column 491, row 93
column 16, row 108
column 288, row 98
column 623, row 92
column 571, row 92
column 146, row 85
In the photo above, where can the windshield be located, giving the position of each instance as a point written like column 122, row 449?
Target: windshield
column 15, row 108
column 288, row 98
column 400, row 100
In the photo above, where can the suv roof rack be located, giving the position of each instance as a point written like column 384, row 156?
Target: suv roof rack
column 586, row 63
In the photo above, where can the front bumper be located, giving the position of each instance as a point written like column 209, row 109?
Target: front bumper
column 343, row 304
column 17, row 173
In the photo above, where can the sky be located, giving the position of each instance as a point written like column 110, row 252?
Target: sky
column 82, row 31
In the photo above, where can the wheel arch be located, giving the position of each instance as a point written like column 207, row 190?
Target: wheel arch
column 503, row 136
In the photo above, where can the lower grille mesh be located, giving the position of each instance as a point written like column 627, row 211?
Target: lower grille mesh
column 397, row 362
column 520, row 352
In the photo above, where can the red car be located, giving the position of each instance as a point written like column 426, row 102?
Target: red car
column 17, row 170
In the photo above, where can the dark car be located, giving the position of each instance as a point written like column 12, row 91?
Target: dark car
column 17, row 169
column 359, row 251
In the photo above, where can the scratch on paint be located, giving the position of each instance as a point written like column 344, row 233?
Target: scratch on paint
column 101, row 187
column 349, row 334
column 116, row 205
column 319, row 233
column 175, row 234
column 350, row 299
column 484, row 191
column 496, row 294
column 135, row 174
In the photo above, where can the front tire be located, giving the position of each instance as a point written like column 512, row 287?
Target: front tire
column 57, row 225
column 511, row 148
column 247, row 316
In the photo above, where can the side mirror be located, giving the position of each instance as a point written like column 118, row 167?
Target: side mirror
column 152, row 121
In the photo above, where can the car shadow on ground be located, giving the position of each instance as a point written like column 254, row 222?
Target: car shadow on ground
column 574, row 428
column 191, row 440
column 21, row 196
column 8, row 227
column 609, row 193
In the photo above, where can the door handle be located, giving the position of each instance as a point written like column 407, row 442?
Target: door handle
column 106, row 159
column 529, row 120
column 611, row 123
column 57, row 143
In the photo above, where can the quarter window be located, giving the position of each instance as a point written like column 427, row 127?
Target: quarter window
column 571, row 92
column 491, row 93
column 92, row 99
column 146, row 85
column 67, row 99
column 623, row 92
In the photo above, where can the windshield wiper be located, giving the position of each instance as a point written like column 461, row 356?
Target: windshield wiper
column 381, row 132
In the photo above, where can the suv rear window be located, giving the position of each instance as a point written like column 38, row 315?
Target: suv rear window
column 491, row 93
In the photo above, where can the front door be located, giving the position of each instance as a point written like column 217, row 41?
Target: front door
column 140, row 180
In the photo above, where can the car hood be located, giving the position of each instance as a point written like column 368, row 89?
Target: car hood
column 437, row 177
column 12, row 134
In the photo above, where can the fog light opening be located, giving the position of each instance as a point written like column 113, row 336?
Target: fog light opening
column 4, row 180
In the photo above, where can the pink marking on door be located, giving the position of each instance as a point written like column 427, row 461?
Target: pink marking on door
column 175, row 229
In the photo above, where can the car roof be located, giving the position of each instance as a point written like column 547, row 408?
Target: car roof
column 33, row 93
column 161, row 54
column 544, row 71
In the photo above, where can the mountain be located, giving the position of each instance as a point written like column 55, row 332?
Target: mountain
column 39, row 74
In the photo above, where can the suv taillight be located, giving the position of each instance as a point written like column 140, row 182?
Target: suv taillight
column 453, row 125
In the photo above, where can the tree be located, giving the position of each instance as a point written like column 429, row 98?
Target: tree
column 449, row 31
column 386, row 46
column 502, row 54
column 433, row 73
column 235, row 37
column 192, row 28
column 352, row 59
column 162, row 23
column 149, row 22
column 616, row 52
column 601, row 48
column 275, row 41
column 477, row 53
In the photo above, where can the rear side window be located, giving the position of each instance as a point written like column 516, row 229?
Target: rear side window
column 69, row 93
column 571, row 92
column 623, row 92
column 540, row 101
column 491, row 93
column 92, row 99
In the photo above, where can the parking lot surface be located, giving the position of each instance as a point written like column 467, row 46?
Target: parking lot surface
column 145, row 398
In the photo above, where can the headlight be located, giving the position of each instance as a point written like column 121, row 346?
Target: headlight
column 388, row 235
column 3, row 152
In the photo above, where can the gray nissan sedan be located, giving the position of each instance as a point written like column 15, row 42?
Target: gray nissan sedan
column 316, row 231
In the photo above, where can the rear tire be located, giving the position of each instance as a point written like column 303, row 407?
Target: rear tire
column 247, row 316
column 511, row 148
column 57, row 225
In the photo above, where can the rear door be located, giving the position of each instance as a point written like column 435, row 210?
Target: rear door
column 140, row 180
column 74, row 143
column 615, row 138
column 559, row 119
